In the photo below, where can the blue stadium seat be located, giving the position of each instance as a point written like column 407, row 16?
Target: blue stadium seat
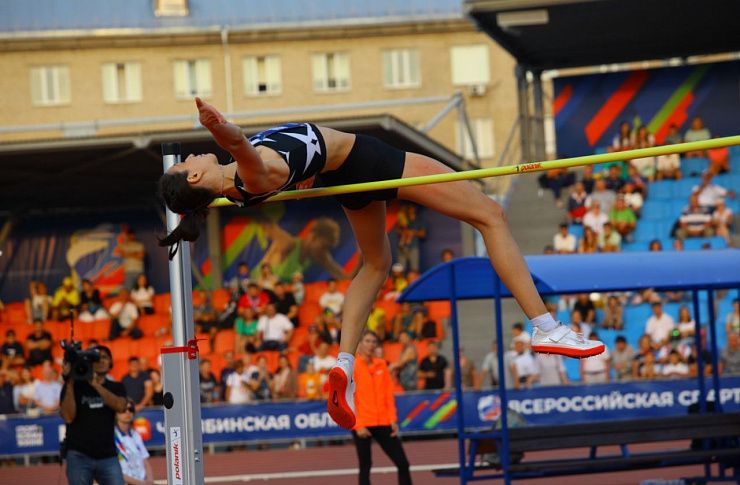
column 684, row 186
column 646, row 231
column 655, row 210
column 693, row 166
column 572, row 369
column 635, row 317
column 677, row 207
column 662, row 190
column 576, row 230
column 695, row 243
column 635, row 246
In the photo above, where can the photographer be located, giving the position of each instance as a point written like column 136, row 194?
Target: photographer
column 89, row 406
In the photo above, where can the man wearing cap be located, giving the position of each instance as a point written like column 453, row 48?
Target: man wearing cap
column 89, row 409
column 66, row 300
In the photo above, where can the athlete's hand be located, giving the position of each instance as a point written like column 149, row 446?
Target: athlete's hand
column 394, row 430
column 209, row 115
column 363, row 432
column 305, row 184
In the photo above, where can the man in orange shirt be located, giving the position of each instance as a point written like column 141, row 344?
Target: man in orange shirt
column 375, row 410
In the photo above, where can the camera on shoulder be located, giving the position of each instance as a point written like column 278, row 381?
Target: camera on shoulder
column 80, row 361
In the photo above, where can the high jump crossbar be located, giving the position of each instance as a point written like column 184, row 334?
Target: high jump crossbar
column 498, row 171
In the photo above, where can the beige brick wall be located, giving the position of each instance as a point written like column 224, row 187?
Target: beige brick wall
column 84, row 57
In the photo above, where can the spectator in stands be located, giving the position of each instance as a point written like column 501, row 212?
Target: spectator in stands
column 91, row 304
column 722, row 219
column 648, row 369
column 489, row 368
column 668, row 166
column 226, row 371
column 274, row 329
column 622, row 217
column 697, row 132
column 322, row 361
column 297, row 288
column 157, row 387
column 426, row 328
column 578, row 326
column 226, row 317
column 634, row 178
column 659, row 326
column 706, row 357
column 309, row 383
column 47, row 389
column 686, row 324
column 596, row 369
column 433, row 368
column 376, row 411
column 602, row 196
column 66, row 300
column 255, row 297
column 585, row 308
column 260, row 380
column 674, row 368
column 587, row 178
column 332, row 300
column 730, row 357
column 673, row 137
column 595, row 218
column 613, row 314
column 38, row 304
column 143, row 295
column 411, row 231
column 446, row 255
column 678, row 245
column 468, row 371
column 646, row 165
column 204, row 315
column 11, row 352
column 577, row 203
column 695, row 220
column 632, row 198
column 38, row 344
column 518, row 332
column 551, row 370
column 709, row 194
column 613, row 180
column 589, row 242
column 655, row 246
column 406, row 367
column 238, row 390
column 285, row 381
column 246, row 327
column 376, row 322
column 623, row 140
column 609, row 241
column 267, row 279
column 675, row 342
column 555, row 179
column 133, row 253
column 732, row 320
column 327, row 328
column 133, row 456
column 622, row 359
column 209, row 389
column 6, row 394
column 524, row 370
column 138, row 384
column 719, row 160
column 124, row 317
column 644, row 348
column 564, row 242
column 241, row 279
column 285, row 302
column 403, row 321
column 23, row 392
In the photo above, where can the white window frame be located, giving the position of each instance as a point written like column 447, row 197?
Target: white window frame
column 121, row 82
column 193, row 78
column 401, row 68
column 485, row 139
column 470, row 65
column 327, row 70
column 171, row 8
column 262, row 75
column 50, row 85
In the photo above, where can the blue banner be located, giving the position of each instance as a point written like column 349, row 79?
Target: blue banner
column 417, row 412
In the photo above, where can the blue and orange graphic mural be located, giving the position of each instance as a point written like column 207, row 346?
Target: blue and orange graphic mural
column 588, row 109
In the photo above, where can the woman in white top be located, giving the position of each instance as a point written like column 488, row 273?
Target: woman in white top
column 646, row 165
column 143, row 295
column 686, row 324
column 722, row 219
column 23, row 392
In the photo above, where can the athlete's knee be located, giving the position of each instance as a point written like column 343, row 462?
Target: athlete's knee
column 488, row 215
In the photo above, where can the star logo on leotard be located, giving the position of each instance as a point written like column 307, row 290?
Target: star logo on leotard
column 312, row 144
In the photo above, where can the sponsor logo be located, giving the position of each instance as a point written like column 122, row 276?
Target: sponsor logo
column 175, row 452
column 489, row 408
column 143, row 427
column 29, row 435
column 528, row 167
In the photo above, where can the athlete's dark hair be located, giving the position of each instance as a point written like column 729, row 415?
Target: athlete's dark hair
column 190, row 202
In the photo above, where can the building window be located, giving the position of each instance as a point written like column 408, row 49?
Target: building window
column 330, row 72
column 483, row 132
column 171, row 8
column 122, row 82
column 193, row 78
column 401, row 68
column 470, row 65
column 262, row 75
column 50, row 85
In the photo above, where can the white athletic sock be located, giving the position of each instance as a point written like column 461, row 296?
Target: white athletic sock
column 545, row 322
column 347, row 362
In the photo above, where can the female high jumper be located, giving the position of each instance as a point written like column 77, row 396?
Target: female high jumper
column 291, row 156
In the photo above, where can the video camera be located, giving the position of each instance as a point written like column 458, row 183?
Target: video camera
column 81, row 361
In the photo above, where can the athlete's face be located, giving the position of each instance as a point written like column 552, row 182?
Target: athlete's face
column 196, row 166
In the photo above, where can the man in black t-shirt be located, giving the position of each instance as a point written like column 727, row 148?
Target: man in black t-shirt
column 89, row 409
column 285, row 302
column 38, row 344
column 138, row 384
column 11, row 352
column 433, row 368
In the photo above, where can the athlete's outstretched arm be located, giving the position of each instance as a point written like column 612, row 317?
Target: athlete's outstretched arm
column 230, row 137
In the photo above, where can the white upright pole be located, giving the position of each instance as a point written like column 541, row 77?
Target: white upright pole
column 180, row 376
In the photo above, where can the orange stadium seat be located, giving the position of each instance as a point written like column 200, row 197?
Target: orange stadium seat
column 162, row 303
column 308, row 312
column 299, row 336
column 343, row 285
column 392, row 351
column 151, row 325
column 225, row 341
column 15, row 313
column 220, row 298
column 439, row 310
column 272, row 357
column 314, row 291
column 421, row 349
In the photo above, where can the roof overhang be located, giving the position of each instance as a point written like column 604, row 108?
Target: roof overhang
column 122, row 171
column 556, row 34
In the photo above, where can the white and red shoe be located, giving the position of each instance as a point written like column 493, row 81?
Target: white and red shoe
column 563, row 341
column 341, row 402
